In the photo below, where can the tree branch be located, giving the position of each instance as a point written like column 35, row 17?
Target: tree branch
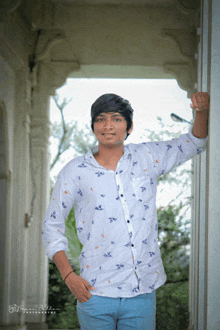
column 65, row 130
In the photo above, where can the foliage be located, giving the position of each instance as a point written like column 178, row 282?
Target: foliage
column 172, row 306
column 172, row 298
column 173, row 236
column 174, row 239
column 83, row 140
column 74, row 244
column 60, row 298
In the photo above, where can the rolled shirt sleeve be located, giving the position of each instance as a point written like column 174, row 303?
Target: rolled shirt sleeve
column 53, row 228
column 200, row 143
column 167, row 155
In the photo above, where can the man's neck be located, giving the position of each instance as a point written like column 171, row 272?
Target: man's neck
column 109, row 157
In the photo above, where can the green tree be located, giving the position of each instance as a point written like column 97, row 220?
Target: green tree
column 62, row 300
column 68, row 135
column 75, row 247
column 174, row 239
column 172, row 297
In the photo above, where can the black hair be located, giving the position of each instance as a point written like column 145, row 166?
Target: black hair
column 112, row 103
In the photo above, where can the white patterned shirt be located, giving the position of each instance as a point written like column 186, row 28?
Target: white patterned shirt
column 116, row 216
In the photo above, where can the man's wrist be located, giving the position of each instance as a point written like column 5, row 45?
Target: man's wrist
column 62, row 263
column 203, row 112
column 68, row 275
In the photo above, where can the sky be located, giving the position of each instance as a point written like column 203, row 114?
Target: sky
column 149, row 98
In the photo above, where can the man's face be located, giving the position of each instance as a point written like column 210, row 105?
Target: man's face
column 110, row 129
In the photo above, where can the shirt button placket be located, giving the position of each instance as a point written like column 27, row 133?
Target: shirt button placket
column 126, row 210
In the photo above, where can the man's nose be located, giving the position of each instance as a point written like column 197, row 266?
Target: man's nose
column 108, row 123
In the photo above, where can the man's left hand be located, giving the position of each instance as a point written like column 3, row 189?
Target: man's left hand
column 200, row 101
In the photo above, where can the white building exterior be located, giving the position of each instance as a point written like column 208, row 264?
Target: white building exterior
column 43, row 42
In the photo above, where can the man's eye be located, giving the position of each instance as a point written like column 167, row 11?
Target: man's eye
column 99, row 119
column 117, row 119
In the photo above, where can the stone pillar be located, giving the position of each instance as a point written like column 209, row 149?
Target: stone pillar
column 46, row 77
column 199, row 233
column 20, row 199
column 213, row 186
column 13, row 95
column 205, row 261
column 37, row 265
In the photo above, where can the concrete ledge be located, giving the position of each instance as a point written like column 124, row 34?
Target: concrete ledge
column 13, row 327
column 36, row 326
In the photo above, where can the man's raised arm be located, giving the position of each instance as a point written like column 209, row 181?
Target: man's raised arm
column 200, row 103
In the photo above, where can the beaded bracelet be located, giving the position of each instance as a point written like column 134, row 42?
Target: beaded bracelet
column 67, row 275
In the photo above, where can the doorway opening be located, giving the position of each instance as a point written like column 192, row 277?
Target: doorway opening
column 153, row 101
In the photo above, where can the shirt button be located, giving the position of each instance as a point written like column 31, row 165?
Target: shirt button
column 122, row 195
column 116, row 173
column 128, row 221
column 132, row 245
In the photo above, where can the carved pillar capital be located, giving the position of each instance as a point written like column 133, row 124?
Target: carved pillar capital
column 184, row 70
column 184, row 39
column 54, row 61
column 185, row 74
column 53, row 75
column 188, row 7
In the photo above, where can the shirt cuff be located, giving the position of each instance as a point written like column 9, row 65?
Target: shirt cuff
column 198, row 142
column 56, row 247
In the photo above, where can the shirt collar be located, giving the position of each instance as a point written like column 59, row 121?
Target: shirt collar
column 90, row 158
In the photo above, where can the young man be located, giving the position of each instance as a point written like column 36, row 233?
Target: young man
column 113, row 191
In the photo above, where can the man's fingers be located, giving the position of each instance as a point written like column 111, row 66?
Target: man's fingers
column 85, row 297
column 200, row 101
column 83, row 300
column 79, row 287
column 88, row 286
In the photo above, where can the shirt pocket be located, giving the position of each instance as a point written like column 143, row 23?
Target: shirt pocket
column 142, row 188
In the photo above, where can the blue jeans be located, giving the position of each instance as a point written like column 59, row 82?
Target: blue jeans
column 104, row 313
